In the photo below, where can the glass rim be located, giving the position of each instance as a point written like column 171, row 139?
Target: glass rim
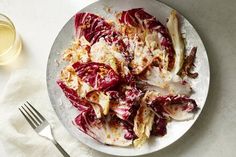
column 9, row 20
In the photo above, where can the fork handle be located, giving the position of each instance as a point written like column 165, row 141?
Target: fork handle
column 63, row 152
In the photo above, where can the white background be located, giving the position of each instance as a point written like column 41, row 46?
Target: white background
column 214, row 133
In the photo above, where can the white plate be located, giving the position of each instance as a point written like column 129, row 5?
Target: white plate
column 67, row 113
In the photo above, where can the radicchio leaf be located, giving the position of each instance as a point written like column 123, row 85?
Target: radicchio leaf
column 100, row 76
column 101, row 99
column 139, row 18
column 78, row 102
column 93, row 28
column 108, row 130
column 143, row 122
column 159, row 126
column 176, row 107
column 188, row 64
column 127, row 101
column 178, row 43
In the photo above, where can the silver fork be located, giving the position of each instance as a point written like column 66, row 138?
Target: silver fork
column 40, row 125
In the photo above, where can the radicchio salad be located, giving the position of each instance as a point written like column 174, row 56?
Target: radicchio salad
column 128, row 77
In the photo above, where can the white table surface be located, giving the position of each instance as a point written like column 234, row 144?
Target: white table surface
column 214, row 133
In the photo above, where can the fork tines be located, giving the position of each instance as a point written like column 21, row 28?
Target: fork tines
column 31, row 115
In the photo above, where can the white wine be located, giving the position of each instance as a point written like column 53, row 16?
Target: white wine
column 10, row 44
column 7, row 36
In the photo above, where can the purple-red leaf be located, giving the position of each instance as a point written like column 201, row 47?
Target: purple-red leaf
column 98, row 75
column 78, row 102
column 139, row 18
